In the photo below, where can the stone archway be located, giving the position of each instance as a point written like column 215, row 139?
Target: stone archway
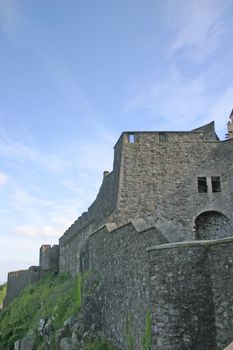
column 213, row 225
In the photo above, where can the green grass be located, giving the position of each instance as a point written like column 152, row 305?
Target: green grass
column 51, row 297
column 58, row 297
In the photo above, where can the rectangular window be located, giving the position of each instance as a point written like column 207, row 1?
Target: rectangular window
column 216, row 185
column 162, row 136
column 202, row 184
column 131, row 138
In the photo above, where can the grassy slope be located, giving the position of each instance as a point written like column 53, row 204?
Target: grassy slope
column 58, row 297
column 51, row 297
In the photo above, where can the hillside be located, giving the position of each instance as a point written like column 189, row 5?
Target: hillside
column 56, row 298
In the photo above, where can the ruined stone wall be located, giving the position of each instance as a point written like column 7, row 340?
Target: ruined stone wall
column 18, row 280
column 120, row 260
column 190, row 291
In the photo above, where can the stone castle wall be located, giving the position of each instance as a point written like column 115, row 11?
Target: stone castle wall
column 155, row 178
column 190, row 291
column 97, row 215
column 49, row 258
column 159, row 179
column 18, row 280
column 119, row 258
column 149, row 199
column 187, row 287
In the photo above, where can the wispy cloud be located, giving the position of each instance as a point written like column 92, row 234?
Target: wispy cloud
column 198, row 26
column 22, row 200
column 19, row 152
column 178, row 101
column 173, row 97
column 3, row 179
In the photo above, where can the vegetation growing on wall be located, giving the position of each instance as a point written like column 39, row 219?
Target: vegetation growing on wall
column 130, row 340
column 147, row 337
column 79, row 290
column 2, row 292
column 99, row 344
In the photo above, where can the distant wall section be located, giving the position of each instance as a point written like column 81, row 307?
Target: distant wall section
column 18, row 280
column 49, row 258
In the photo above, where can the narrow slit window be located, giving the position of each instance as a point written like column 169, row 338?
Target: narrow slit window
column 131, row 138
column 202, row 185
column 216, row 184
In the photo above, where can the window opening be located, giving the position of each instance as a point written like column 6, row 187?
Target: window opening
column 162, row 136
column 202, row 184
column 131, row 138
column 216, row 185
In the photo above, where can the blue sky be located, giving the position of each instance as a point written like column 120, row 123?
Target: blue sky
column 75, row 74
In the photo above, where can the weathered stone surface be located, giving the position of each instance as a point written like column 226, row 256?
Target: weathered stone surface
column 66, row 344
column 17, row 345
column 229, row 347
column 26, row 343
column 61, row 333
column 70, row 321
column 76, row 344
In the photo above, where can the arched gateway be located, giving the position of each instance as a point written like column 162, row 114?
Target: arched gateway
column 213, row 225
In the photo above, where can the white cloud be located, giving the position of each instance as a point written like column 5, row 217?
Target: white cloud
column 198, row 26
column 32, row 231
column 3, row 179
